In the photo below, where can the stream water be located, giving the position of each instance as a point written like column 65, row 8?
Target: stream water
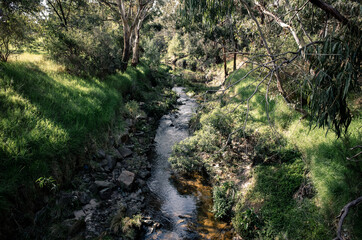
column 181, row 206
column 175, row 211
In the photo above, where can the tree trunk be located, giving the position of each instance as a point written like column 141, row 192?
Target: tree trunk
column 235, row 55
column 224, row 58
column 126, row 48
column 136, row 52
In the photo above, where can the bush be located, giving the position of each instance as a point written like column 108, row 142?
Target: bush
column 153, row 48
column 183, row 159
column 224, row 198
column 246, row 223
column 220, row 120
column 86, row 53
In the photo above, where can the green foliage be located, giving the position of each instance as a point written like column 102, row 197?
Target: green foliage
column 14, row 31
column 126, row 225
column 47, row 182
column 86, row 53
column 47, row 114
column 247, row 223
column 223, row 200
column 337, row 64
column 187, row 156
column 152, row 54
column 133, row 110
column 183, row 159
column 175, row 46
column 275, row 185
column 220, row 120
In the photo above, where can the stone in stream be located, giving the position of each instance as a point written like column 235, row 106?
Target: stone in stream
column 126, row 178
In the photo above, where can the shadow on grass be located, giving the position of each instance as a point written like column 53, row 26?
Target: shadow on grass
column 44, row 116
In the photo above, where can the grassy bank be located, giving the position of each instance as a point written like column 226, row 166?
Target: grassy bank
column 48, row 115
column 292, row 181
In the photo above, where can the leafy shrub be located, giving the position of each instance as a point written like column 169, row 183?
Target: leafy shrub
column 125, row 225
column 133, row 110
column 220, row 120
column 186, row 155
column 153, row 48
column 183, row 159
column 96, row 52
column 246, row 223
column 224, row 198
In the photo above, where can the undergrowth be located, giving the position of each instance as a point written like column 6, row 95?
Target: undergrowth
column 287, row 156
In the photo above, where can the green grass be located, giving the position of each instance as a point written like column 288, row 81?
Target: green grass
column 293, row 155
column 47, row 114
column 336, row 180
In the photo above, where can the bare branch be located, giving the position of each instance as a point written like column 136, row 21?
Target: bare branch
column 343, row 215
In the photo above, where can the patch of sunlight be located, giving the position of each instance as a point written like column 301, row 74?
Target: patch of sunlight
column 40, row 60
column 52, row 132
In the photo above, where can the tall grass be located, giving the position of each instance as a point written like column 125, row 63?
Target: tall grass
column 46, row 114
column 336, row 180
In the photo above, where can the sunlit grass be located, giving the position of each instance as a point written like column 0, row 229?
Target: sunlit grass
column 46, row 114
column 336, row 179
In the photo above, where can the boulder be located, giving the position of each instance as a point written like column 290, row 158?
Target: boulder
column 126, row 179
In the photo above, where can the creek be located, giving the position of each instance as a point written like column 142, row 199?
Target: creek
column 181, row 206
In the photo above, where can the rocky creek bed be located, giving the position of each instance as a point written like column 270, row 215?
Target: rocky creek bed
column 128, row 191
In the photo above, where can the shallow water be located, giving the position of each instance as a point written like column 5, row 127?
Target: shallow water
column 181, row 206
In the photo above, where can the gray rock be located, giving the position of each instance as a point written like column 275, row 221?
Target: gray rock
column 125, row 152
column 83, row 197
column 93, row 188
column 119, row 165
column 111, row 162
column 104, row 184
column 129, row 122
column 122, row 137
column 90, row 207
column 144, row 174
column 65, row 199
column 79, row 214
column 104, row 163
column 126, row 178
column 105, row 193
column 101, row 154
column 116, row 154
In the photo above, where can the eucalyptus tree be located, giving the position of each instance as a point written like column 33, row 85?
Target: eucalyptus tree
column 324, row 66
column 215, row 20
column 131, row 13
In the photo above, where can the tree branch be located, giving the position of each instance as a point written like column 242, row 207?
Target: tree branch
column 330, row 10
column 343, row 215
